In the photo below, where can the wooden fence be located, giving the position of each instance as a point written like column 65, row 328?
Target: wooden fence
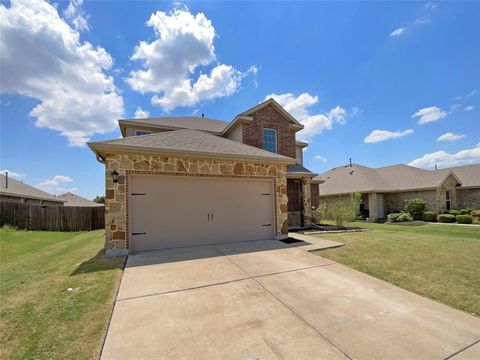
column 51, row 218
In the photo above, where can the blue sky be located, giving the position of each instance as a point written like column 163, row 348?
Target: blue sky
column 380, row 82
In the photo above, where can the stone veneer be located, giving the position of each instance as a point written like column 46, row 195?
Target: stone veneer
column 468, row 198
column 116, row 199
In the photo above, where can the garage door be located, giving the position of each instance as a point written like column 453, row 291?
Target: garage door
column 176, row 211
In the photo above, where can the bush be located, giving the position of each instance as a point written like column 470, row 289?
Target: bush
column 430, row 216
column 415, row 207
column 466, row 211
column 454, row 212
column 446, row 218
column 464, row 219
column 399, row 217
column 475, row 214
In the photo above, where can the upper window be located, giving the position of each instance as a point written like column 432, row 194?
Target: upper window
column 142, row 132
column 270, row 140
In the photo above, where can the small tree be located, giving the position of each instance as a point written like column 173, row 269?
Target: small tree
column 99, row 199
column 340, row 213
column 320, row 213
column 355, row 199
column 415, row 207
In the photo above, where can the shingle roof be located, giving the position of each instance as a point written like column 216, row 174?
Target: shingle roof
column 184, row 122
column 75, row 200
column 18, row 189
column 347, row 179
column 298, row 169
column 190, row 142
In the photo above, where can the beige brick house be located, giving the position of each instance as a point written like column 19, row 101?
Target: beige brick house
column 182, row 181
column 384, row 190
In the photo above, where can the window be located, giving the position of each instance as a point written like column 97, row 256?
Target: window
column 142, row 132
column 270, row 140
column 447, row 200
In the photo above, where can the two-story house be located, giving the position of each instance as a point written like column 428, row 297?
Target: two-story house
column 184, row 181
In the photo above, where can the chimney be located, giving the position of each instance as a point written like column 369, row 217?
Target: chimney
column 350, row 161
column 6, row 179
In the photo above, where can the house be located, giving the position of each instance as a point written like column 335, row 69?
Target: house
column 384, row 190
column 75, row 200
column 16, row 191
column 181, row 181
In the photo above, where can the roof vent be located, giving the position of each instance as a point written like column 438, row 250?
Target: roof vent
column 203, row 115
column 351, row 172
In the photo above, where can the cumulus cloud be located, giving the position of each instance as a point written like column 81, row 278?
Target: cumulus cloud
column 450, row 137
column 429, row 114
column 56, row 185
column 397, row 32
column 469, row 108
column 382, row 135
column 445, row 159
column 42, row 57
column 13, row 174
column 422, row 21
column 321, row 158
column 140, row 113
column 183, row 43
column 77, row 16
column 314, row 124
column 430, row 5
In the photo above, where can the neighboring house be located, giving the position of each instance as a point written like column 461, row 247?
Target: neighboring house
column 75, row 200
column 190, row 181
column 16, row 191
column 384, row 190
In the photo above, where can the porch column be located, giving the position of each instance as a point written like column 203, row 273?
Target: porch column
column 307, row 201
column 372, row 207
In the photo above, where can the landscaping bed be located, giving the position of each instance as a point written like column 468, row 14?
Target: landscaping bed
column 327, row 229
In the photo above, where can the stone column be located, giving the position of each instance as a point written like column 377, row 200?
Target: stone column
column 307, row 201
column 372, row 206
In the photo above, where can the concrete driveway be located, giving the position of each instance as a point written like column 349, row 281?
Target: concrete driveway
column 267, row 300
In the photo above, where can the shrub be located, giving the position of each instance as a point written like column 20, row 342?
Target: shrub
column 415, row 207
column 475, row 214
column 430, row 216
column 446, row 218
column 393, row 217
column 464, row 219
column 454, row 212
column 399, row 217
column 466, row 211
column 340, row 214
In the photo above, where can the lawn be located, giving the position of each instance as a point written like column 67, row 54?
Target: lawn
column 441, row 262
column 40, row 318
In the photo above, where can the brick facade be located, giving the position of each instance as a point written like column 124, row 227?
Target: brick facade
column 272, row 118
column 468, row 198
column 116, row 199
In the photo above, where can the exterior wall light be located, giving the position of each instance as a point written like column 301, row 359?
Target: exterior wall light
column 114, row 175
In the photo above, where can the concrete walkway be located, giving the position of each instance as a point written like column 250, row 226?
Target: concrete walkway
column 310, row 242
column 267, row 300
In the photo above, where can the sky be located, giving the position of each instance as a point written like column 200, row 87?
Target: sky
column 379, row 82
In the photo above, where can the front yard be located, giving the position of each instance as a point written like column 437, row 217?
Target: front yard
column 441, row 262
column 40, row 317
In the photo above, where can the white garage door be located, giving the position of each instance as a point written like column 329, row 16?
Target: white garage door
column 176, row 211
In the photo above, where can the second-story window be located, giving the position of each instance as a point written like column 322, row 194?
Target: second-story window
column 142, row 132
column 270, row 140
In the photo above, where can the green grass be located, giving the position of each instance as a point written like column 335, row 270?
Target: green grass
column 441, row 262
column 40, row 319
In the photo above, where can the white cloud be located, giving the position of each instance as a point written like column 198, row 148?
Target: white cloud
column 444, row 159
column 430, row 5
column 422, row 21
column 321, row 158
column 314, row 124
column 429, row 114
column 140, row 113
column 77, row 16
column 397, row 32
column 55, row 184
column 471, row 93
column 469, row 108
column 382, row 135
column 12, row 174
column 183, row 42
column 450, row 137
column 42, row 57
column 455, row 107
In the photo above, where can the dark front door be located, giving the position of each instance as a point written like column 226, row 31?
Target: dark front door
column 295, row 202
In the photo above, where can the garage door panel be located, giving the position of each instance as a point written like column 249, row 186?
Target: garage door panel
column 186, row 211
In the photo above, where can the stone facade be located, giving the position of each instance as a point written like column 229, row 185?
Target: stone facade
column 395, row 202
column 468, row 198
column 116, row 199
column 272, row 118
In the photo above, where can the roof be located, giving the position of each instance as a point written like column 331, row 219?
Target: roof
column 297, row 169
column 19, row 189
column 180, row 122
column 75, row 200
column 400, row 177
column 188, row 142
column 271, row 101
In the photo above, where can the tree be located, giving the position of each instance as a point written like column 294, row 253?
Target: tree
column 415, row 207
column 355, row 199
column 99, row 199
